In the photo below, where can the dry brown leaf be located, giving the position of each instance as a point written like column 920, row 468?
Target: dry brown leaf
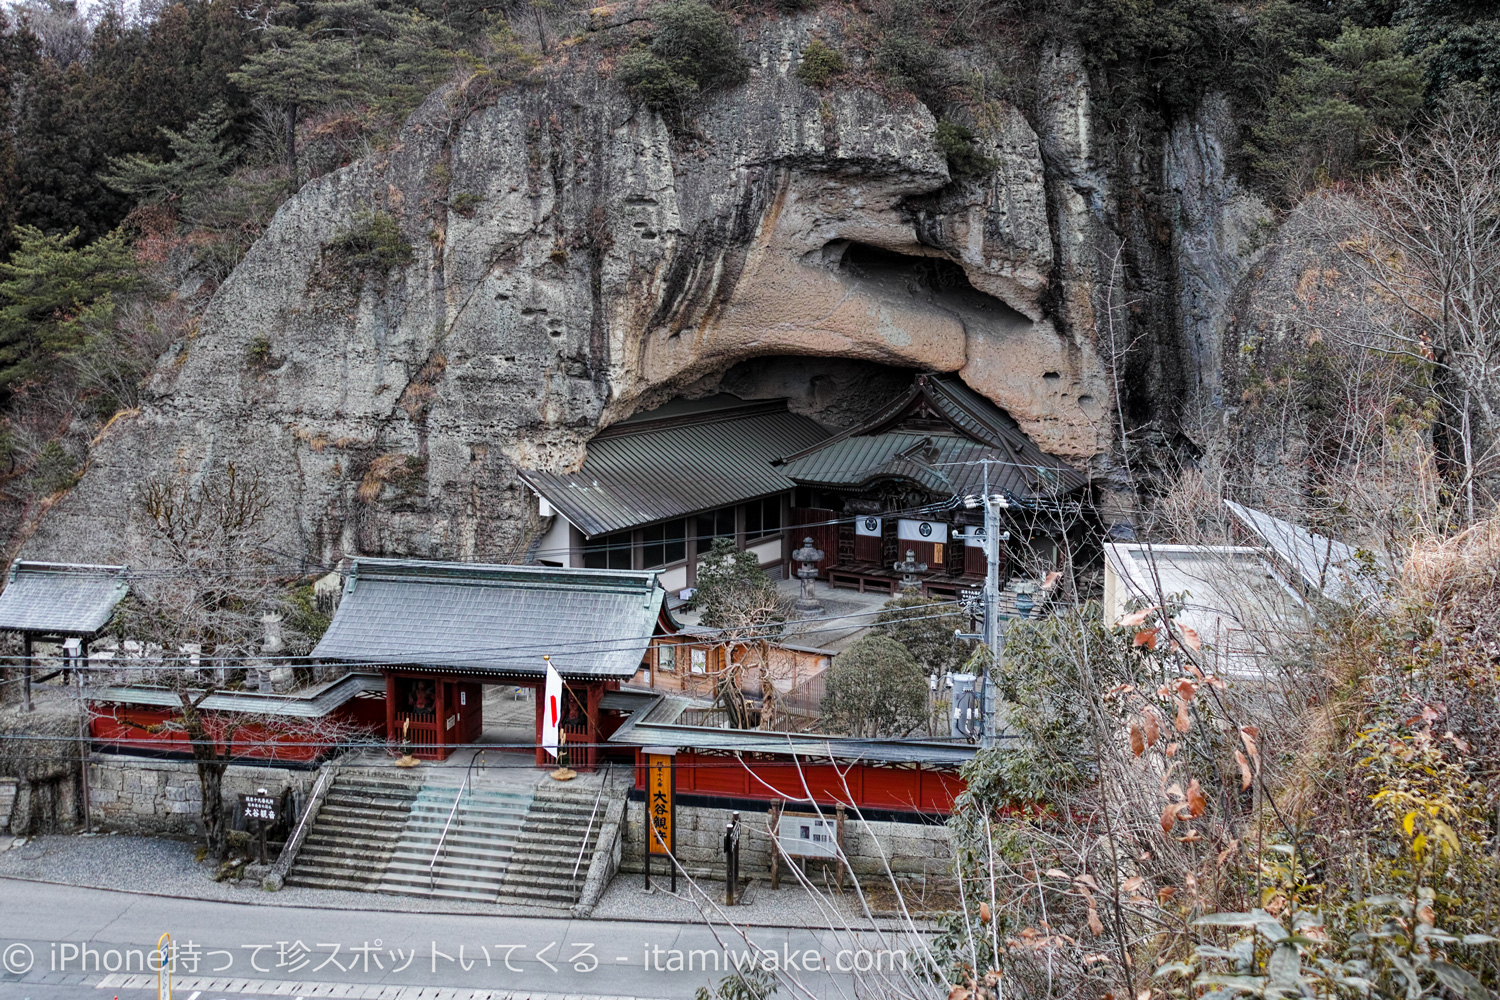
column 1146, row 637
column 1249, row 734
column 1172, row 749
column 1166, row 893
column 1190, row 638
column 1196, row 803
column 1212, row 680
column 1135, row 617
column 1239, row 758
column 1143, row 995
column 1173, row 791
column 959, row 993
column 1193, row 836
column 1133, row 883
column 1186, row 689
column 984, row 913
column 1169, row 818
column 1137, row 741
column 1057, row 873
column 1152, row 728
column 1183, row 722
column 1096, row 926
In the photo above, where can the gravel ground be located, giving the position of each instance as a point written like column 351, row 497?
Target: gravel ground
column 164, row 867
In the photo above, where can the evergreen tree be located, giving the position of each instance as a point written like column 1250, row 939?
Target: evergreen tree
column 199, row 161
column 1328, row 111
column 362, row 51
column 52, row 293
column 875, row 688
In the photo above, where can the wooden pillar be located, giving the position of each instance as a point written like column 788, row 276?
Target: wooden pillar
column 538, row 697
column 440, row 691
column 391, row 732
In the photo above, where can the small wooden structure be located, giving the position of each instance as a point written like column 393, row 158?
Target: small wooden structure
column 57, row 602
column 439, row 631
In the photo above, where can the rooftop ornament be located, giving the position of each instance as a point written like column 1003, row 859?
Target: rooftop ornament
column 910, row 569
column 807, row 572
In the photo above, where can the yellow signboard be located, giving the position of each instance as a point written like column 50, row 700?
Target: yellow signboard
column 660, row 805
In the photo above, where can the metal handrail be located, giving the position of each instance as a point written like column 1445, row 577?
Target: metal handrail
column 462, row 788
column 317, row 789
column 585, row 845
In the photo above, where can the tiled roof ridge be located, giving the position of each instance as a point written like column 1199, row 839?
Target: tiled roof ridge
column 75, row 569
column 371, row 567
column 747, row 408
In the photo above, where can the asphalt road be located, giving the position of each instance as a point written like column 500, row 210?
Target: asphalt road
column 65, row 942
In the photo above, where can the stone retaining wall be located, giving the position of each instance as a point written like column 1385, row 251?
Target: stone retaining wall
column 911, row 850
column 150, row 796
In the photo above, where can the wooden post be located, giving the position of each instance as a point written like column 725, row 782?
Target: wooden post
column 843, row 855
column 390, row 706
column 775, row 846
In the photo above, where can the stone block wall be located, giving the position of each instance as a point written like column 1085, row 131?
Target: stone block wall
column 145, row 795
column 911, row 850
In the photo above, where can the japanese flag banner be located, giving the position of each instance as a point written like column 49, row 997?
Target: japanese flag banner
column 552, row 707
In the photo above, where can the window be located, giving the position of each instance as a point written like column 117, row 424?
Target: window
column 666, row 657
column 700, row 661
column 608, row 551
column 665, row 543
column 763, row 517
column 714, row 524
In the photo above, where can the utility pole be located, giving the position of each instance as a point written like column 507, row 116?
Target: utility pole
column 990, row 632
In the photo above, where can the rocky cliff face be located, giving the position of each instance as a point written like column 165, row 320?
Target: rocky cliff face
column 602, row 264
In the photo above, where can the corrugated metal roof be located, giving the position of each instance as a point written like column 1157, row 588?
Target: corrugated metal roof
column 808, row 745
column 301, row 706
column 495, row 619
column 647, row 470
column 944, row 462
column 60, row 598
column 1331, row 568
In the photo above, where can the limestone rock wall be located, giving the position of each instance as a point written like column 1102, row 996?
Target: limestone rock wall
column 600, row 265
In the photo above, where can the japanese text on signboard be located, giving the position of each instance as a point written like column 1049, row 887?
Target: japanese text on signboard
column 659, row 804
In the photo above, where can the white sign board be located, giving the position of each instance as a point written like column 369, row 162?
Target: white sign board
column 974, row 538
column 868, row 526
column 806, row 835
column 921, row 531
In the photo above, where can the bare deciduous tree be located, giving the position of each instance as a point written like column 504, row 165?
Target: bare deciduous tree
column 1432, row 245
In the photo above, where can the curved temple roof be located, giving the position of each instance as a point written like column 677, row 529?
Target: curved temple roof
column 940, row 435
column 475, row 617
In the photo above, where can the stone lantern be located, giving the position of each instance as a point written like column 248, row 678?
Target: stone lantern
column 909, row 570
column 809, row 557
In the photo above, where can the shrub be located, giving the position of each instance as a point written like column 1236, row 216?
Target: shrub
column 960, row 145
column 820, row 63
column 258, row 354
column 875, row 688
column 54, row 469
column 693, row 51
column 909, row 59
column 465, row 202
column 371, row 246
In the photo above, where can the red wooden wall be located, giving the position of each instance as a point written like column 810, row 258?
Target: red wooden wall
column 903, row 789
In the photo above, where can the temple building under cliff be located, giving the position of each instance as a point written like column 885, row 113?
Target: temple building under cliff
column 655, row 490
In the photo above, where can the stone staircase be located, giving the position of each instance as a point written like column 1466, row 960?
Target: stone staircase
column 557, row 832
column 355, row 832
column 471, row 861
column 511, row 840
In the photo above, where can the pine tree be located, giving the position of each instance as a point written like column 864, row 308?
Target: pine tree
column 361, row 51
column 199, row 161
column 52, row 293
